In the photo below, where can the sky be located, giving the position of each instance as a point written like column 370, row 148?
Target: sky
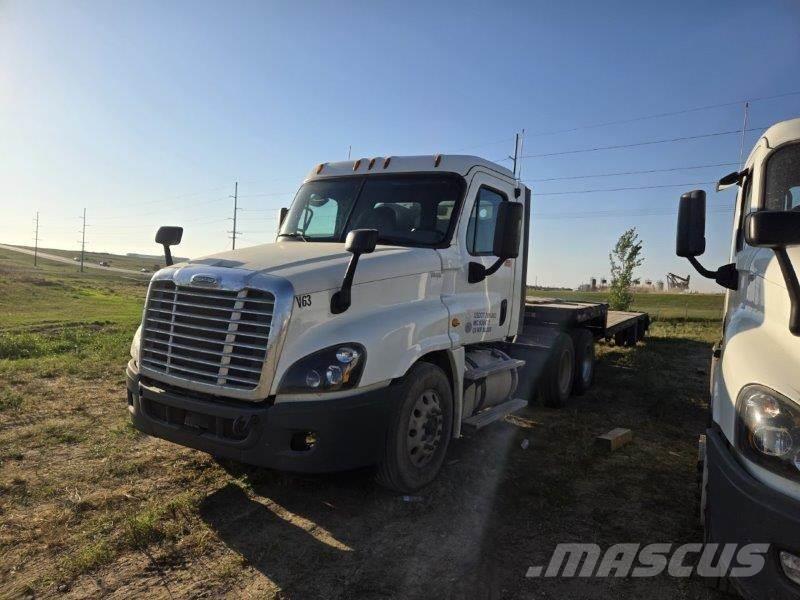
column 146, row 113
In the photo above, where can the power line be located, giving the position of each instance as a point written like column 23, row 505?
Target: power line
column 623, row 213
column 664, row 114
column 633, row 119
column 637, row 144
column 620, row 173
column 261, row 195
column 624, row 189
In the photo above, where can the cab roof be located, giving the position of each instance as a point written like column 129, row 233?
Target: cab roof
column 447, row 163
column 785, row 131
column 776, row 135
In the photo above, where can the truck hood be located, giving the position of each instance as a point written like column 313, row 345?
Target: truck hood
column 317, row 266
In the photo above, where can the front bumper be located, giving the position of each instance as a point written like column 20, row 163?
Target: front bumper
column 743, row 510
column 349, row 432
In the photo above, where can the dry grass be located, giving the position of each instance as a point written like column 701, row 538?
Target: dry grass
column 91, row 508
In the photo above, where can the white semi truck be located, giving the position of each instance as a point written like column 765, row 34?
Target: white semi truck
column 750, row 454
column 389, row 316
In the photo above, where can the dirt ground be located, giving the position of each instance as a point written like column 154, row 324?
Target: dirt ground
column 91, row 508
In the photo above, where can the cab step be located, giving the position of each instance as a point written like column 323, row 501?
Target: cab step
column 490, row 415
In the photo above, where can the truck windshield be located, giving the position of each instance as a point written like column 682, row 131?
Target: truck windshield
column 783, row 179
column 407, row 210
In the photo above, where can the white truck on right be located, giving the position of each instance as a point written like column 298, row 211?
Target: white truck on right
column 750, row 454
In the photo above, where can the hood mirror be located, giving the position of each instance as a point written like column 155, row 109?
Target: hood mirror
column 358, row 242
column 169, row 236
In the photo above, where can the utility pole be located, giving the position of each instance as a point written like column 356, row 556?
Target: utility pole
column 235, row 210
column 83, row 238
column 744, row 128
column 36, row 241
column 349, row 150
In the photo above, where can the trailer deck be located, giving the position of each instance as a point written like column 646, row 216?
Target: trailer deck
column 625, row 328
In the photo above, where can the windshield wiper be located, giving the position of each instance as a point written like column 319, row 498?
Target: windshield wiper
column 293, row 235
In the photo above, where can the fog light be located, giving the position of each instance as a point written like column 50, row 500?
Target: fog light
column 791, row 566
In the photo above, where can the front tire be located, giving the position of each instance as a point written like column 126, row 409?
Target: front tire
column 419, row 432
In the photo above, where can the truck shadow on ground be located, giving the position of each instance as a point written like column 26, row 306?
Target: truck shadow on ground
column 499, row 505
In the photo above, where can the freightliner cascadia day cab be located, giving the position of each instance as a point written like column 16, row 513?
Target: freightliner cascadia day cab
column 388, row 317
column 750, row 454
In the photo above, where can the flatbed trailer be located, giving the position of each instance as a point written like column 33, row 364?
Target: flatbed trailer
column 624, row 327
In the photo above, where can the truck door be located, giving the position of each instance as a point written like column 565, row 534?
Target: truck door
column 486, row 305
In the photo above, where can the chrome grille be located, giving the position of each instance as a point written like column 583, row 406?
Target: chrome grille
column 216, row 337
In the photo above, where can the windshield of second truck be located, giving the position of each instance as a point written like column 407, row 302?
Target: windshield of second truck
column 407, row 210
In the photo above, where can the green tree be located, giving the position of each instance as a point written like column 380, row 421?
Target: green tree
column 624, row 257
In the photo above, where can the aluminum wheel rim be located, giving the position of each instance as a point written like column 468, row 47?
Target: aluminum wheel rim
column 425, row 426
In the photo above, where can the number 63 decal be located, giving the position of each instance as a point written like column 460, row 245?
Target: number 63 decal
column 303, row 301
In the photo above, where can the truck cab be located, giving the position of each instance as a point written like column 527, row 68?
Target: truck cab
column 750, row 455
column 366, row 334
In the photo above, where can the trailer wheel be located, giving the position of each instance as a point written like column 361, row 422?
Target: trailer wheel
column 559, row 374
column 583, row 341
column 419, row 432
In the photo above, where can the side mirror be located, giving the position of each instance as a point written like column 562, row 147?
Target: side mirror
column 507, row 237
column 282, row 217
column 691, row 238
column 361, row 241
column 169, row 236
column 772, row 229
column 777, row 230
column 508, row 230
column 358, row 242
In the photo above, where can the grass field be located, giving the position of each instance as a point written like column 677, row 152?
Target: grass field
column 91, row 508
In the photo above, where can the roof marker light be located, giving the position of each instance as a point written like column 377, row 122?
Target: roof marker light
column 437, row 159
column 320, row 167
column 386, row 161
column 356, row 165
column 371, row 164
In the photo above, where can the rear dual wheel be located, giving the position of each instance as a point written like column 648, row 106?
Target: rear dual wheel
column 570, row 368
column 559, row 373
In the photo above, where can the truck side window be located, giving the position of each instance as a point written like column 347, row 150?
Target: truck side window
column 782, row 191
column 482, row 221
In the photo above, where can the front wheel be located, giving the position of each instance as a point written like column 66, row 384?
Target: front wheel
column 419, row 433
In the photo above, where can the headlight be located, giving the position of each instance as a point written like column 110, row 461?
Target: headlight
column 137, row 340
column 768, row 431
column 329, row 370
